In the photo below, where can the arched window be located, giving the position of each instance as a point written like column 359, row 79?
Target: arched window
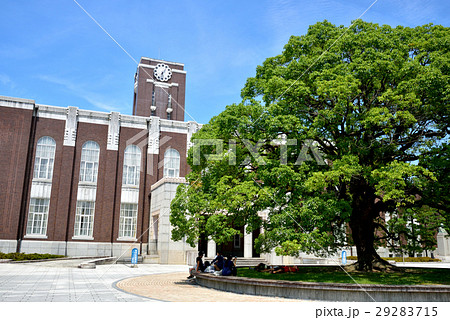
column 131, row 166
column 90, row 154
column 171, row 163
column 45, row 158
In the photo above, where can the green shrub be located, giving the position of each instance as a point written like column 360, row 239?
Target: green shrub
column 400, row 259
column 28, row 256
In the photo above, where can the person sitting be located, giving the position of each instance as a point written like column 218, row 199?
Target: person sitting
column 199, row 266
column 260, row 267
column 229, row 266
column 218, row 261
column 290, row 269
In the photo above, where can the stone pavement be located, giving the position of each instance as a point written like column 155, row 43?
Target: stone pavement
column 63, row 281
column 175, row 287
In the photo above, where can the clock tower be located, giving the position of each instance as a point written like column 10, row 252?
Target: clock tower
column 159, row 89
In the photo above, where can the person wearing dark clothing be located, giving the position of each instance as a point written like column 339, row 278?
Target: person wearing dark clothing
column 199, row 266
column 218, row 261
column 229, row 267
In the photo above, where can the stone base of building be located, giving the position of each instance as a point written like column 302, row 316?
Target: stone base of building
column 8, row 246
column 121, row 251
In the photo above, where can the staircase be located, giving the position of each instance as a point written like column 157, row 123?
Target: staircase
column 245, row 262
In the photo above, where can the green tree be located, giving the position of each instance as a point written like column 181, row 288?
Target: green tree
column 437, row 195
column 412, row 230
column 371, row 99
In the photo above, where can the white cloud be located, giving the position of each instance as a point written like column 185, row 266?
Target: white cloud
column 6, row 81
column 95, row 99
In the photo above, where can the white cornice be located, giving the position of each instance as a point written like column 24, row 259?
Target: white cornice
column 164, row 180
column 133, row 122
column 173, row 126
column 16, row 103
column 51, row 112
column 93, row 117
column 153, row 67
column 162, row 84
column 163, row 61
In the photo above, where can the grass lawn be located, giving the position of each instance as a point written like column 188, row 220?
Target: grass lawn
column 333, row 274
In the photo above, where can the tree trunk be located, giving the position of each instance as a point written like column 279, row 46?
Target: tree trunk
column 363, row 231
column 363, row 236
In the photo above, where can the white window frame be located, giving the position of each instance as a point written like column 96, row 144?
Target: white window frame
column 44, row 159
column 131, row 166
column 84, row 219
column 171, row 163
column 128, row 221
column 38, row 217
column 90, row 155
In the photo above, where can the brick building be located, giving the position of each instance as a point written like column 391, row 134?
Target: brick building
column 79, row 182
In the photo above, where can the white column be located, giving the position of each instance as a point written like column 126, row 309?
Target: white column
column 248, row 247
column 211, row 249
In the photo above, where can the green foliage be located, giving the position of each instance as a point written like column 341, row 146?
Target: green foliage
column 375, row 105
column 413, row 229
column 28, row 256
column 437, row 195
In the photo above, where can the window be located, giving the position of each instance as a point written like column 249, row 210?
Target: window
column 169, row 117
column 128, row 220
column 84, row 218
column 37, row 216
column 237, row 241
column 131, row 166
column 171, row 163
column 90, row 154
column 169, row 101
column 45, row 157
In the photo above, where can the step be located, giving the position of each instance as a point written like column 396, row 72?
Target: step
column 128, row 260
column 151, row 259
column 245, row 262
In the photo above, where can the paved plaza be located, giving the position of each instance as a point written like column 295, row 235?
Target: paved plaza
column 63, row 281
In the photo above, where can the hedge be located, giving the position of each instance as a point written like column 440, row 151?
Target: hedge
column 28, row 256
column 400, row 259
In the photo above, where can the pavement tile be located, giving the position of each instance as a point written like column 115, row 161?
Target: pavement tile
column 62, row 281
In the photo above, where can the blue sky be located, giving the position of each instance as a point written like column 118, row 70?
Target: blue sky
column 54, row 53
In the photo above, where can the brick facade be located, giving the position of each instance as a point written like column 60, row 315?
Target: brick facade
column 23, row 123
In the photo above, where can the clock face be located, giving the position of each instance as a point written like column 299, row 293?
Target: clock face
column 162, row 72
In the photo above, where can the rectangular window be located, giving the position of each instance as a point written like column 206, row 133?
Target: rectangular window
column 237, row 241
column 88, row 171
column 43, row 167
column 128, row 220
column 37, row 216
column 84, row 218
